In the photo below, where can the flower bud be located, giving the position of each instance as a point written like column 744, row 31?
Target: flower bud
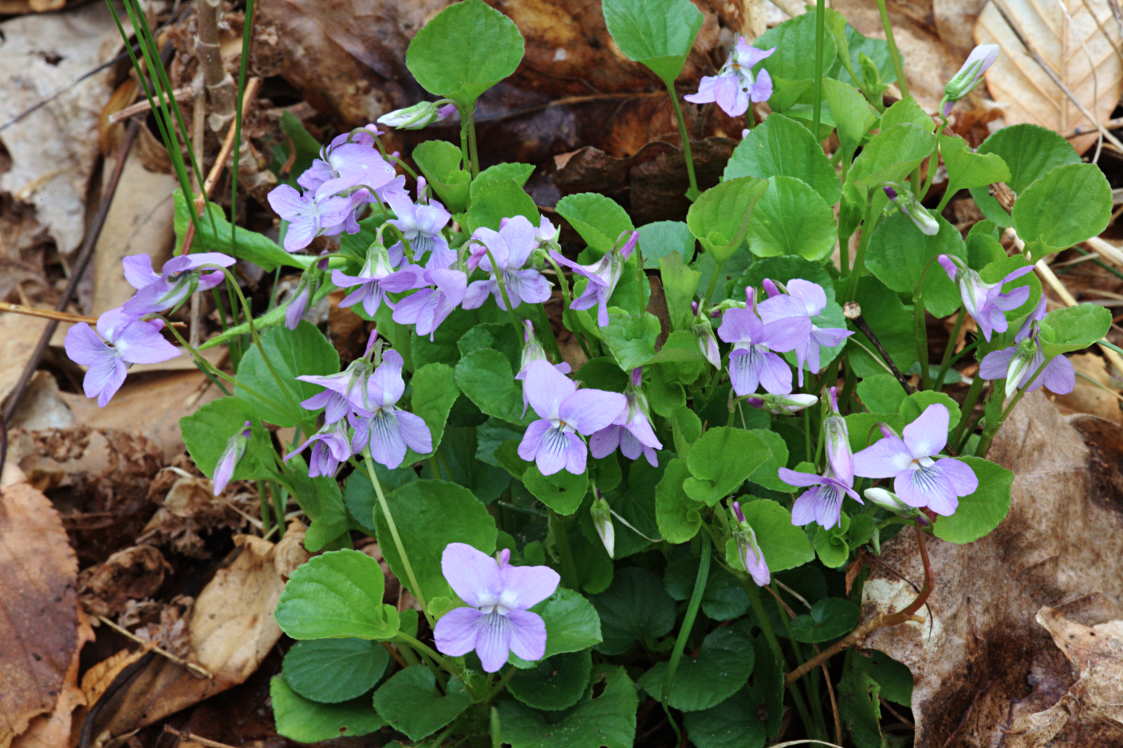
column 748, row 549
column 903, row 198
column 417, row 117
column 971, row 72
column 781, row 405
column 707, row 343
column 1022, row 366
column 889, row 501
column 837, row 437
column 224, row 468
column 602, row 521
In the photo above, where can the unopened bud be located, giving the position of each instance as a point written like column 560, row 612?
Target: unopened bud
column 417, row 117
column 903, row 198
column 602, row 521
column 837, row 438
column 971, row 72
column 781, row 405
column 224, row 468
column 889, row 501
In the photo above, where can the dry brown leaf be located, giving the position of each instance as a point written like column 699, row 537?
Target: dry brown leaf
column 1098, row 397
column 955, row 21
column 38, row 608
column 231, row 630
column 54, row 730
column 41, row 406
column 52, row 153
column 18, row 336
column 1068, row 38
column 976, row 649
column 130, row 574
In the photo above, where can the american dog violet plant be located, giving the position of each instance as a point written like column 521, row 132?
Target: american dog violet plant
column 616, row 516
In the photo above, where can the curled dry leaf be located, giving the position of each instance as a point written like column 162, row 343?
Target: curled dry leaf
column 130, row 574
column 38, row 608
column 976, row 649
column 1095, row 392
column 1077, row 40
column 231, row 629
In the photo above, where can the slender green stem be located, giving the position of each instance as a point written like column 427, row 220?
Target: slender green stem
column 945, row 361
column 966, row 410
column 692, row 192
column 700, row 578
column 281, row 383
column 563, row 282
column 773, row 643
column 449, row 665
column 498, row 273
column 411, row 578
column 820, row 32
column 468, row 138
column 894, row 52
column 263, row 500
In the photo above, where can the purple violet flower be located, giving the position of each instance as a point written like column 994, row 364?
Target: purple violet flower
column 602, row 275
column 343, row 393
column 427, row 308
column 308, row 216
column 388, row 430
column 809, row 300
column 180, row 277
column 420, row 223
column 752, row 557
column 375, row 279
column 533, row 351
column 353, row 165
column 228, row 460
column 918, row 479
column 120, row 340
column 631, row 431
column 511, row 247
column 1017, row 363
column 985, row 302
column 331, row 447
column 753, row 362
column 823, row 502
column 735, row 86
column 552, row 442
column 498, row 620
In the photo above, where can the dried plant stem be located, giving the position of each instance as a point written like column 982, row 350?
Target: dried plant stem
column 46, row 313
column 218, row 83
column 192, row 667
column 885, row 620
column 191, row 737
column 143, row 107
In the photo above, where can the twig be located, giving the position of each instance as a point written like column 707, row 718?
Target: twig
column 192, row 737
column 853, row 312
column 141, row 107
column 193, row 668
column 46, row 313
column 219, row 84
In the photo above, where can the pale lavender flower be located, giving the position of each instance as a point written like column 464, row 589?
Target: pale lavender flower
column 752, row 557
column 228, row 460
column 602, row 275
column 918, row 479
column 822, row 503
column 427, row 308
column 498, row 620
column 533, row 351
column 753, row 361
column 985, row 302
column 735, row 86
column 180, row 277
column 564, row 412
column 375, row 279
column 308, row 216
column 511, row 247
column 631, row 431
column 350, row 166
column 547, row 233
column 309, row 283
column 388, row 430
column 803, row 298
column 331, row 447
column 1017, row 363
column 120, row 340
column 420, row 223
column 343, row 393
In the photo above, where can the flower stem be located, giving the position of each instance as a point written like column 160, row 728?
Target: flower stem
column 468, row 138
column 966, row 409
column 894, row 52
column 498, row 273
column 945, row 361
column 411, row 578
column 820, row 29
column 992, row 428
column 765, row 624
column 692, row 191
column 701, row 577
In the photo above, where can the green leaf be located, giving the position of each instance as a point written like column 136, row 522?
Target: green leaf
column 676, row 514
column 1073, row 328
column 731, row 724
column 439, row 161
column 890, row 156
column 336, row 595
column 721, row 216
column 784, row 545
column 213, row 235
column 983, row 510
column 434, row 392
column 206, row 431
column 555, row 684
column 831, row 546
column 572, row 623
column 465, row 50
column 891, row 321
column 503, row 198
column 792, row 219
column 321, row 500
column 658, row 34
column 1030, row 152
column 358, row 493
column 901, row 257
column 429, row 515
column 967, row 169
column 722, row 667
column 916, row 403
column 486, row 377
column 634, row 608
column 306, row 721
column 782, row 147
column 605, row 717
column 881, row 393
column 906, row 112
column 410, row 702
column 680, row 283
column 724, row 597
column 794, row 57
column 563, row 491
column 662, row 238
column 333, row 670
column 598, row 219
column 630, row 337
column 829, row 619
column 714, row 475
column 859, row 702
column 277, row 399
column 511, row 171
column 852, row 113
column 1063, row 207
